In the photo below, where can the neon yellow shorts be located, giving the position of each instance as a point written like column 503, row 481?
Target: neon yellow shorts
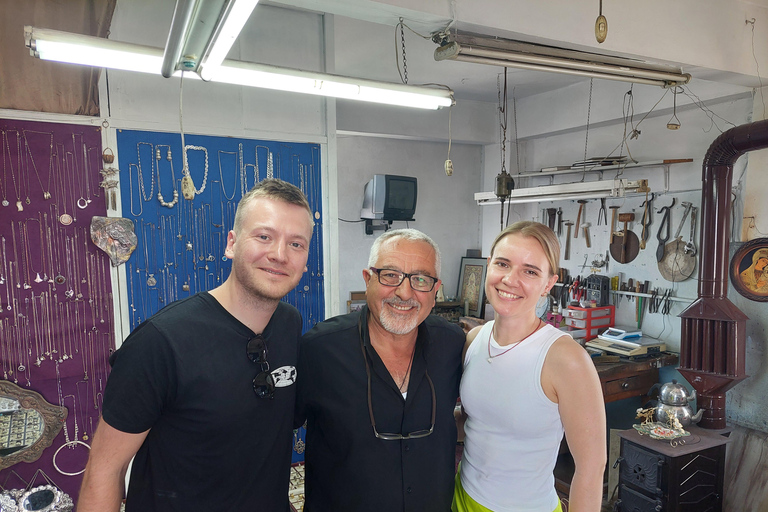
column 463, row 502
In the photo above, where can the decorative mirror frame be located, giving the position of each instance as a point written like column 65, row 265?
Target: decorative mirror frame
column 54, row 417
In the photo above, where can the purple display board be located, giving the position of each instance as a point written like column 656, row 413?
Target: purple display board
column 56, row 316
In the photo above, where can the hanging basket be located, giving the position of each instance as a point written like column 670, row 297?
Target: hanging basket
column 108, row 157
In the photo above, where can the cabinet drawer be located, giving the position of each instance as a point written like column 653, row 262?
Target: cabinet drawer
column 634, row 385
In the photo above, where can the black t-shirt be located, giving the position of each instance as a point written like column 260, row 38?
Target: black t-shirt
column 348, row 469
column 212, row 443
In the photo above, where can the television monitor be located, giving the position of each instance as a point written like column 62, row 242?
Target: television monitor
column 389, row 197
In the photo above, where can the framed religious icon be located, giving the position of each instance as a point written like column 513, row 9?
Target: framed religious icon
column 472, row 284
column 749, row 270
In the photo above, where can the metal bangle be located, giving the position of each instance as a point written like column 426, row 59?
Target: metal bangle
column 72, row 444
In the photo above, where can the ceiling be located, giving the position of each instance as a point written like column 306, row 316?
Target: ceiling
column 367, row 44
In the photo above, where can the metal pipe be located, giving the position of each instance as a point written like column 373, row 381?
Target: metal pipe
column 177, row 36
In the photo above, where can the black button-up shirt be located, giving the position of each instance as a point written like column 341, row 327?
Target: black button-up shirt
column 348, row 469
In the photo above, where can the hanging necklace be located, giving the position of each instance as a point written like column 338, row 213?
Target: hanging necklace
column 47, row 187
column 130, row 188
column 16, row 186
column 173, row 177
column 407, row 372
column 491, row 357
column 189, row 175
column 146, row 197
column 221, row 175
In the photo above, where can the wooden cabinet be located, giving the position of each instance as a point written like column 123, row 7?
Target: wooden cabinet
column 626, row 379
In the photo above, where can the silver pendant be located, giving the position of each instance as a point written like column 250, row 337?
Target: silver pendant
column 60, row 279
column 38, row 279
column 65, row 219
column 189, row 246
column 185, row 287
column 19, row 206
column 151, row 281
column 46, row 195
column 5, row 202
column 490, row 360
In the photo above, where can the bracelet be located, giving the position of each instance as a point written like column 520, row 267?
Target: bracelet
column 72, row 444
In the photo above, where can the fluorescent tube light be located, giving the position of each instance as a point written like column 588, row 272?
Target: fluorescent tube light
column 95, row 51
column 502, row 52
column 91, row 51
column 283, row 79
column 567, row 191
column 233, row 18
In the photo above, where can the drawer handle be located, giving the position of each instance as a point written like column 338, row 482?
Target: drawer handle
column 625, row 385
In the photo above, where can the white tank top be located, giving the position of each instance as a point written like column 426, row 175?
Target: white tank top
column 513, row 431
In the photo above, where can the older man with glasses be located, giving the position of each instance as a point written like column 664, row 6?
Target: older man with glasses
column 378, row 388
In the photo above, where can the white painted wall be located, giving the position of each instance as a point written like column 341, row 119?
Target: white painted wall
column 445, row 210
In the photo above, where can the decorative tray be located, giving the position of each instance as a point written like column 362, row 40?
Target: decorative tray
column 660, row 431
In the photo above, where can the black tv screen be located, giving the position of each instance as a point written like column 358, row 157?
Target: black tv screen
column 401, row 197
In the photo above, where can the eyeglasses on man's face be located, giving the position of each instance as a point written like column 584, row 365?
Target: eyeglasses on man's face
column 418, row 282
column 263, row 383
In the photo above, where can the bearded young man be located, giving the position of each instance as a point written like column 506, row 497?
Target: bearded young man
column 182, row 396
column 378, row 388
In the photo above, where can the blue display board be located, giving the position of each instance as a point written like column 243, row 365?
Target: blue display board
column 181, row 243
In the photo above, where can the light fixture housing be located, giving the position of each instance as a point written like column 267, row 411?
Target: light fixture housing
column 566, row 191
column 516, row 54
column 71, row 48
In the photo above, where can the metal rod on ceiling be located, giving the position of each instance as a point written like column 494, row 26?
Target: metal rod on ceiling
column 180, row 27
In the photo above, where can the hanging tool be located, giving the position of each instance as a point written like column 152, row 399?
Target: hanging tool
column 687, row 206
column 584, row 265
column 601, row 214
column 666, row 303
column 663, row 226
column 690, row 247
column 646, row 222
column 613, row 221
column 559, row 222
column 581, row 202
column 585, row 227
column 631, row 288
column 614, row 287
column 625, row 244
column 653, row 303
column 551, row 212
column 568, row 240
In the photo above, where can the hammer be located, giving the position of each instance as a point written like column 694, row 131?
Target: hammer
column 578, row 218
column 613, row 220
column 625, row 218
column 585, row 227
column 568, row 240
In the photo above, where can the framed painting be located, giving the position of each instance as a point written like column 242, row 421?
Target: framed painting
column 355, row 305
column 472, row 284
column 749, row 270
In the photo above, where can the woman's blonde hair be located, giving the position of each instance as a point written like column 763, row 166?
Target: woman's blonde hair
column 540, row 232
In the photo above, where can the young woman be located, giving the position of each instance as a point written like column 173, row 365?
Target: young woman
column 526, row 383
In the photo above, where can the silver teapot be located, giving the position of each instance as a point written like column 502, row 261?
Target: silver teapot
column 674, row 401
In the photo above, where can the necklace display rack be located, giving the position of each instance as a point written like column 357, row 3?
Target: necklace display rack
column 56, row 298
column 180, row 249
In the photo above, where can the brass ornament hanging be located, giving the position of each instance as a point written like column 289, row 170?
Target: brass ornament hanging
column 601, row 26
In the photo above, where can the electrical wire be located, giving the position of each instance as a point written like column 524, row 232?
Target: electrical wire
column 757, row 64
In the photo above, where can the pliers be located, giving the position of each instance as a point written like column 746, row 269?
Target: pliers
column 602, row 214
column 666, row 302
